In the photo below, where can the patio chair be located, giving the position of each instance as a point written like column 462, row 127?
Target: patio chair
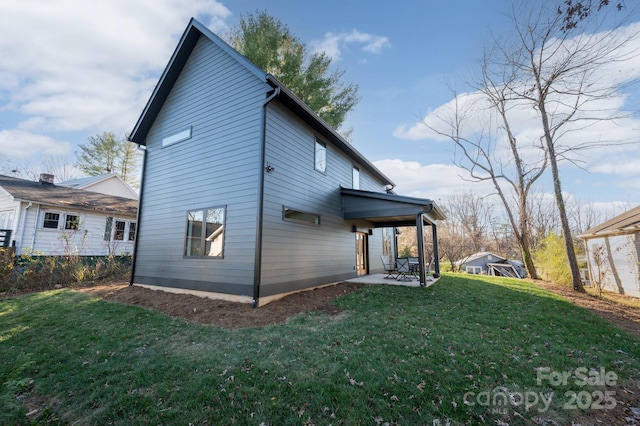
column 389, row 267
column 414, row 267
column 403, row 268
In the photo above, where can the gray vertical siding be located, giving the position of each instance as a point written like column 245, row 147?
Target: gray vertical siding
column 222, row 102
column 299, row 255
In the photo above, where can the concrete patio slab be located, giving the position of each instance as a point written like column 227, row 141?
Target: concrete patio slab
column 380, row 279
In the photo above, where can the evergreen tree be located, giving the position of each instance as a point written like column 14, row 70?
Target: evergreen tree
column 269, row 44
column 107, row 153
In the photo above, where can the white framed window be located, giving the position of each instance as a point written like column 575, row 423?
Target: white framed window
column 6, row 219
column 61, row 221
column 321, row 156
column 119, row 229
column 355, row 180
column 474, row 269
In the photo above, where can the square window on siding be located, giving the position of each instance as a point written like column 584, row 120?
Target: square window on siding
column 72, row 222
column 321, row 156
column 51, row 220
column 299, row 216
column 205, row 233
column 356, row 178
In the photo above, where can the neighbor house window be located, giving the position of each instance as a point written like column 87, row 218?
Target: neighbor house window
column 72, row 222
column 51, row 220
column 117, row 229
column 205, row 233
column 321, row 156
column 474, row 269
column 118, row 233
column 132, row 231
column 299, row 216
column 356, row 178
column 107, row 229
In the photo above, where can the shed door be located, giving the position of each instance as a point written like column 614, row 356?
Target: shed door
column 362, row 261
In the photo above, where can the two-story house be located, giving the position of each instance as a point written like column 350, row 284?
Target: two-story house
column 246, row 193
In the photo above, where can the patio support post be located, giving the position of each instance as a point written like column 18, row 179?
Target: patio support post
column 436, row 256
column 421, row 264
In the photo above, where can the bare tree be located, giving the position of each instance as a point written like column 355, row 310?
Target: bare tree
column 473, row 216
column 495, row 156
column 556, row 73
column 59, row 166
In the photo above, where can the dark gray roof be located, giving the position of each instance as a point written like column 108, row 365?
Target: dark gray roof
column 625, row 223
column 386, row 209
column 168, row 78
column 68, row 198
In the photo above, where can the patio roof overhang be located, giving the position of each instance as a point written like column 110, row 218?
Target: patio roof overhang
column 386, row 210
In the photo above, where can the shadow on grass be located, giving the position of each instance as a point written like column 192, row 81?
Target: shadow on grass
column 395, row 354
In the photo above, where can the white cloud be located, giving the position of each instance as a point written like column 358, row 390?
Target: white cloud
column 606, row 155
column 334, row 43
column 432, row 181
column 78, row 65
column 24, row 145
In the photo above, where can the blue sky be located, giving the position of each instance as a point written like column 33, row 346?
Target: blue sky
column 74, row 68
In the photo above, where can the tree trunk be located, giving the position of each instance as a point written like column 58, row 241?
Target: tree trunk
column 562, row 212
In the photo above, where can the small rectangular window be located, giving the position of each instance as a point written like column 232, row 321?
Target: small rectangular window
column 118, row 233
column 72, row 222
column 51, row 220
column 298, row 216
column 356, row 178
column 474, row 269
column 321, row 156
column 177, row 137
column 132, row 231
column 107, row 229
column 205, row 233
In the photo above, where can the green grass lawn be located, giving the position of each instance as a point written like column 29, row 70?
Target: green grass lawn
column 466, row 350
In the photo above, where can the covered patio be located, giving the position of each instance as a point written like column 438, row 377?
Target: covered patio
column 385, row 210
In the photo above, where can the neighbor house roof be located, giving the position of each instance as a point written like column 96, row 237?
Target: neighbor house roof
column 81, row 183
column 188, row 41
column 625, row 223
column 51, row 195
column 479, row 255
column 90, row 183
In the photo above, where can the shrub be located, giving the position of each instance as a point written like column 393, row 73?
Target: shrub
column 34, row 271
column 551, row 260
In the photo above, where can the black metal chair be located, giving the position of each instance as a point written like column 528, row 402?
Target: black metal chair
column 403, row 268
column 389, row 267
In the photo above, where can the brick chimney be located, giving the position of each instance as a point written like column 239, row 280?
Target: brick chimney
column 46, row 179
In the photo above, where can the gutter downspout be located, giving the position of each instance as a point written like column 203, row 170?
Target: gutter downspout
column 35, row 229
column 257, row 267
column 24, row 227
column 135, row 243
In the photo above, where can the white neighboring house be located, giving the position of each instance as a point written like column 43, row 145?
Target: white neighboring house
column 110, row 184
column 56, row 220
column 613, row 253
